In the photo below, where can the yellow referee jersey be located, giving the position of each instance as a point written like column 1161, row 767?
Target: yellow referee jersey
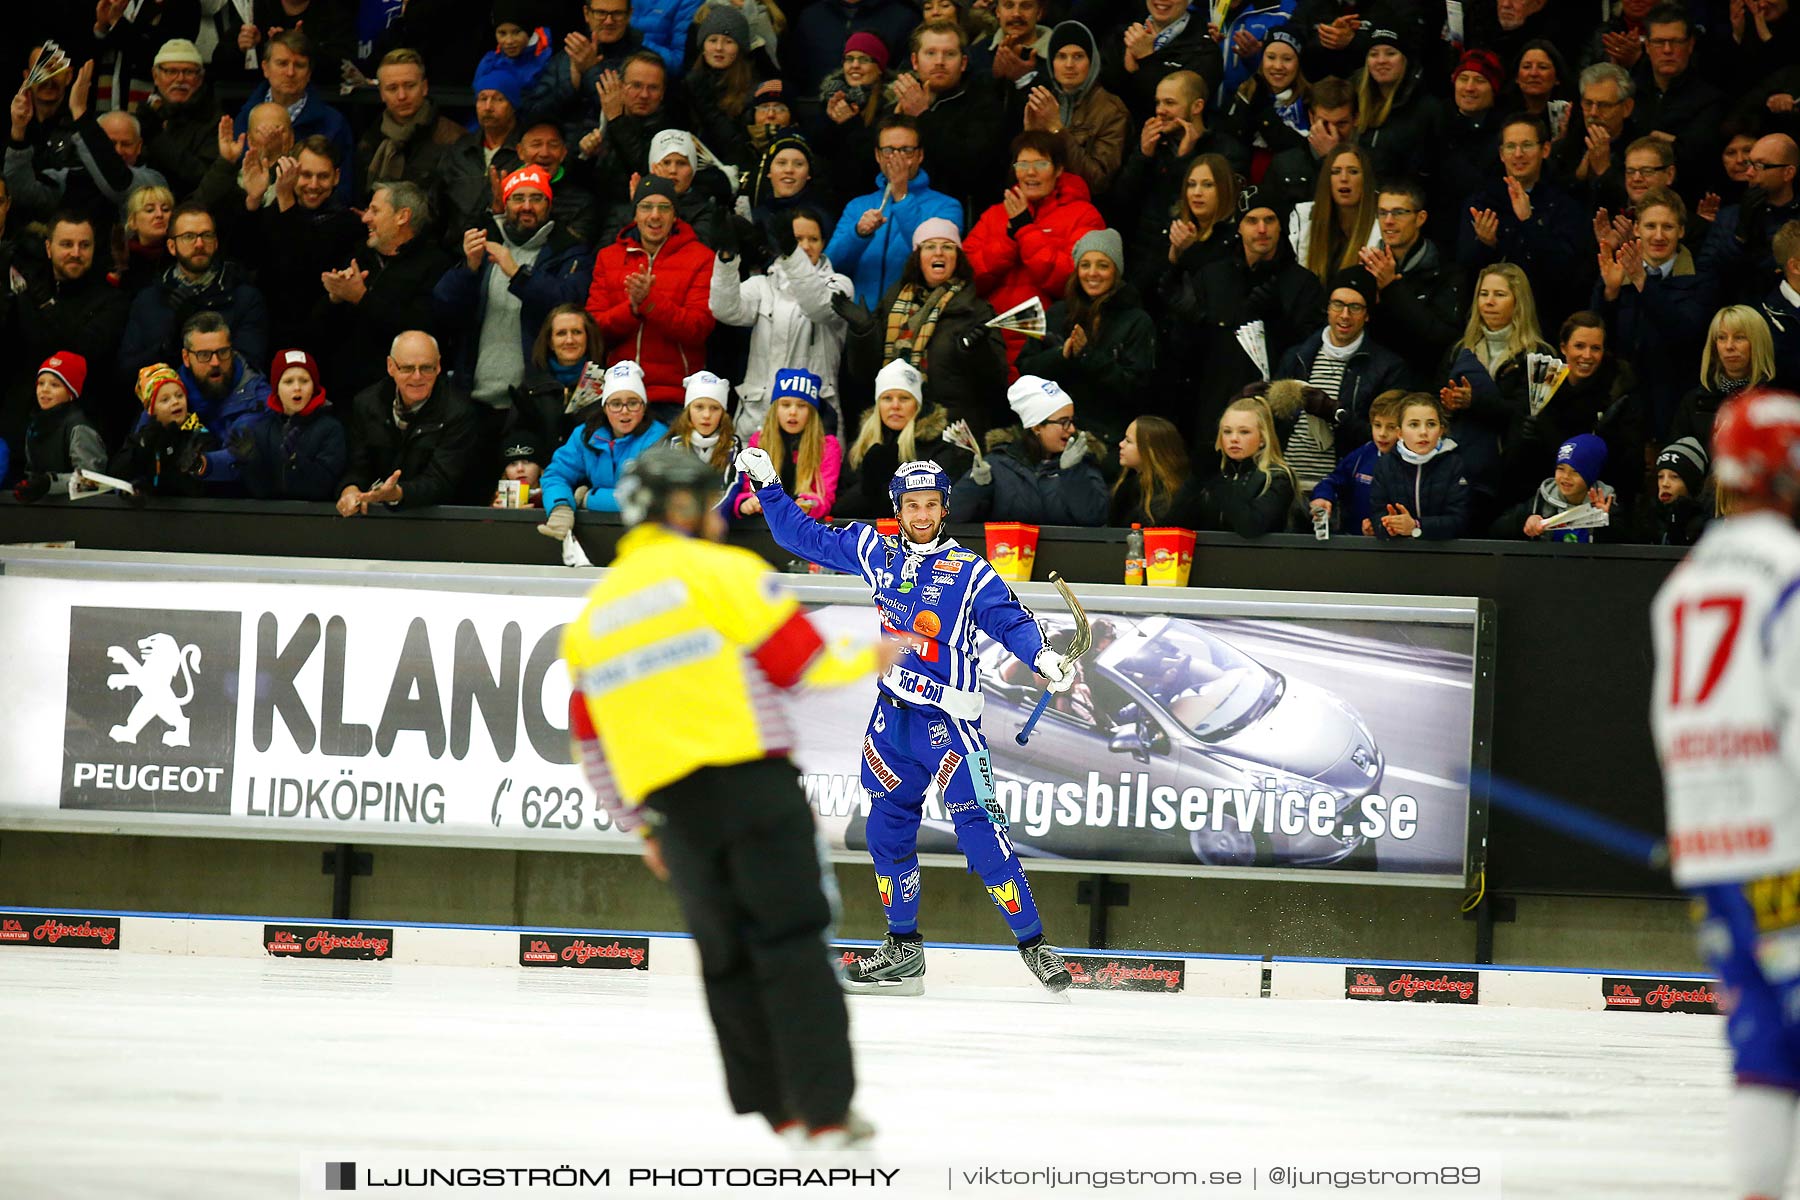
column 680, row 652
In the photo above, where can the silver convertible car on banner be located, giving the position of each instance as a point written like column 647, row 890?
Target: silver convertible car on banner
column 1165, row 698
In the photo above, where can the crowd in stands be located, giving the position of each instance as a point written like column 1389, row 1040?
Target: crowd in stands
column 1302, row 262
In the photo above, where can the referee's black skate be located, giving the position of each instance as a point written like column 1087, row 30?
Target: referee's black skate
column 1046, row 964
column 897, row 968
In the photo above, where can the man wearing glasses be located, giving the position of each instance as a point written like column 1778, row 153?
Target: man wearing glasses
column 1740, row 250
column 1673, row 102
column 1420, row 310
column 567, row 90
column 873, row 239
column 1527, row 219
column 197, row 280
column 1591, row 156
column 223, row 390
column 412, row 441
column 181, row 119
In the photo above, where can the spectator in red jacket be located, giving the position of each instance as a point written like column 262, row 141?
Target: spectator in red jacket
column 651, row 297
column 1024, row 246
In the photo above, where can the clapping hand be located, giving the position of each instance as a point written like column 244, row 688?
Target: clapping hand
column 1487, row 226
column 637, row 287
column 1182, row 234
column 1041, row 110
column 1457, row 396
column 1335, row 35
column 1379, row 262
column 1076, row 343
column 611, row 90
column 1015, row 203
column 1521, row 199
column 1399, row 522
column 1140, row 42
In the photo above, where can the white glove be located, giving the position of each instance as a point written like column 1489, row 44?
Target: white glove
column 981, row 473
column 756, row 463
column 1074, row 452
column 1055, row 668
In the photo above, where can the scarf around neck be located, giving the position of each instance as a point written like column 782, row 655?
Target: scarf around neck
column 1339, row 353
column 389, row 161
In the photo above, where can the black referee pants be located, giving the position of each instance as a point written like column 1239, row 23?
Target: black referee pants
column 743, row 861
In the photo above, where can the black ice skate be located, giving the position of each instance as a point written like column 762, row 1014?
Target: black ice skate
column 1046, row 964
column 897, row 968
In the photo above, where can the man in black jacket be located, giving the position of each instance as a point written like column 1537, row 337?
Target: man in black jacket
column 1672, row 100
column 181, row 120
column 75, row 309
column 295, row 241
column 1173, row 38
column 1420, row 310
column 1524, row 218
column 960, row 118
column 198, row 280
column 1147, row 187
column 386, row 289
column 413, row 143
column 412, row 441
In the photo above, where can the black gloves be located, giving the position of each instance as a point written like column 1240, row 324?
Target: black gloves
column 859, row 319
column 32, row 488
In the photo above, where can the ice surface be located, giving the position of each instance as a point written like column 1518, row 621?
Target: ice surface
column 133, row 1075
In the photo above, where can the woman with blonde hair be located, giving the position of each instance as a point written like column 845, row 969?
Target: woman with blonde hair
column 1254, row 490
column 1739, row 354
column 1330, row 231
column 1395, row 115
column 1485, row 389
column 143, row 252
column 1156, row 484
column 899, row 427
column 793, row 433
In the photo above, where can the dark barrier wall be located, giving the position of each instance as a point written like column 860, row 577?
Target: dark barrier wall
column 1572, row 672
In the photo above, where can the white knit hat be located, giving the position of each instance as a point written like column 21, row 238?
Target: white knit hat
column 900, row 376
column 1034, row 399
column 178, row 50
column 704, row 385
column 623, row 376
column 673, row 141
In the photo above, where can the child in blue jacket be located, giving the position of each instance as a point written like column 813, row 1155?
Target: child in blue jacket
column 1345, row 492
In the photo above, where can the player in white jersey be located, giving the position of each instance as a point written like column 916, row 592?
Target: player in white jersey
column 1726, row 715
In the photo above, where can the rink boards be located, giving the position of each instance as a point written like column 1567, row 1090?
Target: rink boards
column 1174, row 974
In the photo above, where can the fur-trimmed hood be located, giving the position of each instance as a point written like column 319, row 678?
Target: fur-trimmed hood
column 1287, row 398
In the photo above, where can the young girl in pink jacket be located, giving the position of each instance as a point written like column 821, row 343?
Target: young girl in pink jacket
column 795, row 437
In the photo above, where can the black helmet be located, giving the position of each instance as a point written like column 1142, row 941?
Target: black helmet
column 654, row 476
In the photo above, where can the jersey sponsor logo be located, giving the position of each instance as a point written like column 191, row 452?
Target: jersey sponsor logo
column 663, row 597
column 663, row 655
column 932, row 595
column 960, row 556
column 1721, row 842
column 917, row 685
column 1006, row 896
column 927, row 623
column 982, row 772
column 940, row 734
column 878, row 767
column 947, row 565
column 947, row 769
column 943, row 580
column 924, row 647
column 909, row 886
column 1775, row 901
column 885, row 885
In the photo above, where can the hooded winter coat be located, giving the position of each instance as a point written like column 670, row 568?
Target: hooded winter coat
column 597, row 459
column 1661, row 330
column 1038, row 493
column 1111, row 380
column 1241, row 499
column 667, row 335
column 791, row 322
column 863, row 487
column 875, row 262
column 153, row 330
column 1433, row 487
column 1095, row 123
column 1014, row 260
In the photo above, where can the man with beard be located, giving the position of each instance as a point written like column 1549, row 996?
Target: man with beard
column 573, row 207
column 386, row 289
column 1420, row 310
column 514, row 271
column 1019, row 47
column 198, row 280
column 181, row 120
column 287, row 71
column 960, row 124
column 412, row 440
column 412, row 143
column 223, row 390
column 294, row 241
column 76, row 310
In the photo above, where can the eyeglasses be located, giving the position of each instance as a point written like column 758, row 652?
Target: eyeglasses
column 1519, row 147
column 180, row 72
column 1394, row 213
column 1033, row 164
column 1065, row 422
column 1600, row 105
column 631, row 405
column 655, row 210
column 1759, row 165
column 411, row 369
column 188, row 239
column 1339, row 306
column 208, row 355
column 858, row 60
column 609, row 14
column 1666, row 43
column 896, row 151
column 1643, row 172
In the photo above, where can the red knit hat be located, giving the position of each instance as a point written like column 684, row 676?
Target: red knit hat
column 529, row 176
column 864, row 42
column 1484, row 63
column 69, row 367
column 286, row 361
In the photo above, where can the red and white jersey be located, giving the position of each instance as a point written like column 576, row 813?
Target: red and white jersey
column 1725, row 708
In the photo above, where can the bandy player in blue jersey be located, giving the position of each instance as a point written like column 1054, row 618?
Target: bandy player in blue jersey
column 926, row 727
column 1726, row 715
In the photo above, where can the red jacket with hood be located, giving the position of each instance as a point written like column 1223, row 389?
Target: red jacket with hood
column 1039, row 259
column 667, row 335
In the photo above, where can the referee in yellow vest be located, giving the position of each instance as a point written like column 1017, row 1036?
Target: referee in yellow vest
column 678, row 660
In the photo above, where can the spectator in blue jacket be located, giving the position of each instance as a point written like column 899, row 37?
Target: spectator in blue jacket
column 223, row 390
column 1655, row 303
column 515, row 270
column 565, row 91
column 1344, row 493
column 873, row 240
column 1420, row 489
column 287, row 80
column 663, row 24
column 295, row 448
column 586, row 470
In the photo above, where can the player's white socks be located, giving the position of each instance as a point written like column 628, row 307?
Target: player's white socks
column 1762, row 1139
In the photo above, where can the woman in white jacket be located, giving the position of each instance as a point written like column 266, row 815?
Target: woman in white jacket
column 790, row 318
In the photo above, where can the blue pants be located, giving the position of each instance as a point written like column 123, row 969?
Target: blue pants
column 904, row 751
column 1750, row 934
